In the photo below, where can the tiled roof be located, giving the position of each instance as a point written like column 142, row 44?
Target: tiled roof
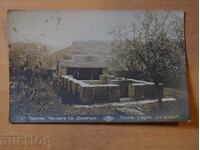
column 86, row 61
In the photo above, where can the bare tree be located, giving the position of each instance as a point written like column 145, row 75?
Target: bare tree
column 150, row 47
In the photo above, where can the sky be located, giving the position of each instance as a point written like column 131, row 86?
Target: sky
column 57, row 29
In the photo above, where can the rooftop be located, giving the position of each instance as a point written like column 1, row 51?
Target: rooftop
column 86, row 61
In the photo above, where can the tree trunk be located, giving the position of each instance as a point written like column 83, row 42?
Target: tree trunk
column 159, row 95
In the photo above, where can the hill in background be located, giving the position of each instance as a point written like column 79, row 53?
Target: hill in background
column 93, row 49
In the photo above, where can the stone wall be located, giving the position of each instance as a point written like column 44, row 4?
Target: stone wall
column 99, row 93
column 108, row 89
column 92, row 82
column 124, row 85
column 91, row 93
column 105, row 79
column 146, row 90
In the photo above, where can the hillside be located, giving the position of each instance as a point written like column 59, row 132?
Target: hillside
column 98, row 51
column 90, row 48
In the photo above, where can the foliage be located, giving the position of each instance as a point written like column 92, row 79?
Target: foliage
column 153, row 46
column 32, row 91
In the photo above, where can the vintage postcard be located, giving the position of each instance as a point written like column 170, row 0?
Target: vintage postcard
column 97, row 66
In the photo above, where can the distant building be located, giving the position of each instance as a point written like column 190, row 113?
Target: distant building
column 84, row 67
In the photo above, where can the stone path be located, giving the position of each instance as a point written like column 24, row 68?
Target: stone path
column 125, row 102
column 125, row 106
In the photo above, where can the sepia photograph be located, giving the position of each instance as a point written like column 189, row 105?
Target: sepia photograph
column 97, row 66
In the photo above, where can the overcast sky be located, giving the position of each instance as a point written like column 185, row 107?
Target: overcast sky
column 57, row 29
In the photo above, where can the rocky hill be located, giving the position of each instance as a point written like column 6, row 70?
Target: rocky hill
column 90, row 48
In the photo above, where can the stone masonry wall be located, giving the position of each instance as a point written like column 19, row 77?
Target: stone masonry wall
column 88, row 93
column 108, row 89
column 139, row 91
